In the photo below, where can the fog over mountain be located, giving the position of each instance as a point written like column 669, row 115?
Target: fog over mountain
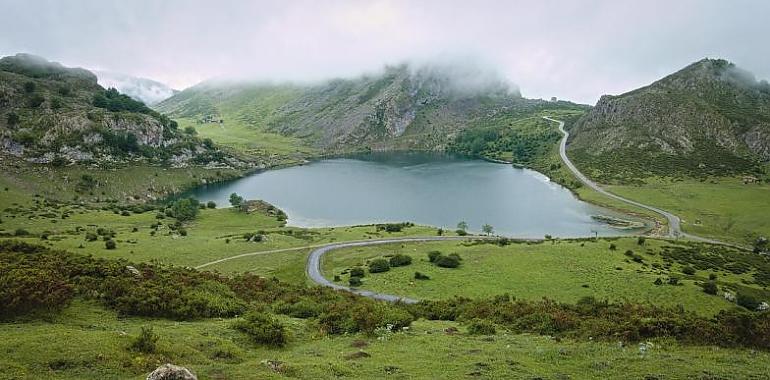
column 572, row 50
column 146, row 90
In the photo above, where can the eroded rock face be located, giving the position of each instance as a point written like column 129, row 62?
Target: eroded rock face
column 171, row 372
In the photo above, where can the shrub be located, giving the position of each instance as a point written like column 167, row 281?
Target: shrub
column 182, row 232
column 640, row 240
column 433, row 255
column 211, row 204
column 447, row 261
column 355, row 281
column 613, row 247
column 658, row 281
column 400, row 260
column 357, row 272
column 747, row 301
column 481, row 327
column 25, row 289
column 379, row 266
column 673, row 281
column 110, row 244
column 185, row 209
column 421, row 276
column 461, row 232
column 21, row 232
column 146, row 342
column 303, row 308
column 688, row 270
column 710, row 287
column 262, row 329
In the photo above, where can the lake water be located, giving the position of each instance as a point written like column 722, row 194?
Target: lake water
column 431, row 189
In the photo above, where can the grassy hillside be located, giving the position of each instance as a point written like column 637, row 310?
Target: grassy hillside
column 709, row 119
column 53, row 114
column 401, row 108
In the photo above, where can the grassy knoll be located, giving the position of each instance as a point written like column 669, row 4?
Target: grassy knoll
column 562, row 270
column 251, row 140
column 88, row 342
column 725, row 209
column 124, row 184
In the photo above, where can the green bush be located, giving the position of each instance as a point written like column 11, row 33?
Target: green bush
column 211, row 204
column 710, row 287
column 355, row 281
column 379, row 266
column 110, row 244
column 146, row 342
column 433, row 255
column 25, row 289
column 262, row 329
column 304, row 308
column 481, row 327
column 357, row 272
column 421, row 276
column 447, row 261
column 185, row 209
column 747, row 301
column 400, row 260
column 688, row 270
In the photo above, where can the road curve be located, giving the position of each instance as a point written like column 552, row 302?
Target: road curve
column 313, row 267
column 674, row 223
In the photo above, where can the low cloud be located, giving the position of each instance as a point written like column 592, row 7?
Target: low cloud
column 572, row 50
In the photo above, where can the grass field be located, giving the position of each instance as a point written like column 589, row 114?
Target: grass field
column 215, row 234
column 562, row 270
column 251, row 140
column 89, row 342
column 725, row 209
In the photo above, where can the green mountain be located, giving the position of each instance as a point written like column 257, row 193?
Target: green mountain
column 53, row 114
column 710, row 118
column 403, row 107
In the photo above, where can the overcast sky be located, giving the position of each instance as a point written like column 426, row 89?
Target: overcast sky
column 576, row 50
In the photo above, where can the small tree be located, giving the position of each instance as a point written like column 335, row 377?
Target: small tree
column 185, row 209
column 433, row 255
column 487, row 229
column 355, row 281
column 236, row 200
column 400, row 260
column 110, row 244
column 146, row 342
column 379, row 266
column 448, row 261
column 211, row 204
column 263, row 329
column 357, row 272
column 462, row 226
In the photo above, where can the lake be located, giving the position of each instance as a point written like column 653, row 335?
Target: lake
column 432, row 189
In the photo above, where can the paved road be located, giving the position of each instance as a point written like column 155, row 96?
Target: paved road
column 674, row 223
column 313, row 268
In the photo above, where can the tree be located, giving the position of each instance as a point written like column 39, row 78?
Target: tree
column 462, row 226
column 190, row 130
column 236, row 200
column 211, row 204
column 710, row 287
column 185, row 209
column 379, row 266
column 487, row 229
column 110, row 244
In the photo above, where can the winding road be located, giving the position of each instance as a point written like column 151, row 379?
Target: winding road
column 313, row 267
column 674, row 223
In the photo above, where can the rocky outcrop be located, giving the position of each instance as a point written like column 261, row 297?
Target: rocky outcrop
column 710, row 113
column 171, row 372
